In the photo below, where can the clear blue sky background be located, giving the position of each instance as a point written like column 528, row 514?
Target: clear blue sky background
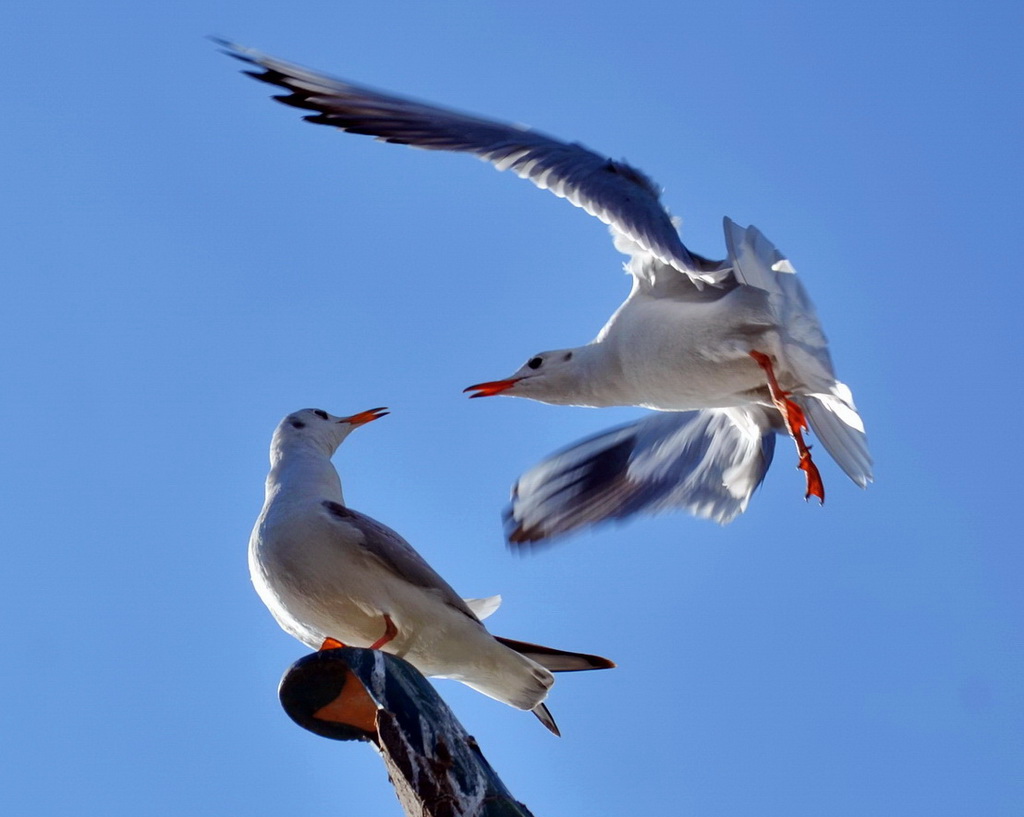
column 185, row 262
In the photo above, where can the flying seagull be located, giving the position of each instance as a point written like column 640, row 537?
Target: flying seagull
column 729, row 352
column 332, row 576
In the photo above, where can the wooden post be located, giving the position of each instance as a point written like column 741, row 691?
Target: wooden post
column 436, row 768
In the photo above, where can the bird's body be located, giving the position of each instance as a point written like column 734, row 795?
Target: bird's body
column 732, row 348
column 730, row 365
column 309, row 567
column 328, row 572
column 708, row 347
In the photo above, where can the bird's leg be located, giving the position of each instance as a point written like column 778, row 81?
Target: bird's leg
column 390, row 631
column 796, row 423
column 330, row 644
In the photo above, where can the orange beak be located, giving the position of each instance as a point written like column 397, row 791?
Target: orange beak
column 491, row 387
column 364, row 417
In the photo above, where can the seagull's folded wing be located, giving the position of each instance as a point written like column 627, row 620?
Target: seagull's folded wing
column 399, row 557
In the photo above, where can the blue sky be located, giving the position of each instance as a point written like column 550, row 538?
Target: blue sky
column 186, row 262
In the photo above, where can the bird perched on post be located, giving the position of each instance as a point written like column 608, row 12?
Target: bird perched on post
column 332, row 576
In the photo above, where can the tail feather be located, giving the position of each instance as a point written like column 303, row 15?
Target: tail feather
column 827, row 403
column 527, row 690
column 835, row 422
column 556, row 660
column 544, row 716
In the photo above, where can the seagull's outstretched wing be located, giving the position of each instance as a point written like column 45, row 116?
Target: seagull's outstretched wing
column 708, row 462
column 616, row 193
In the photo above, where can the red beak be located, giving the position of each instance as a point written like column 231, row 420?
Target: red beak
column 364, row 417
column 492, row 387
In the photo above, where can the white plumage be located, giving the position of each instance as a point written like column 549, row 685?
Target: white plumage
column 327, row 571
column 693, row 334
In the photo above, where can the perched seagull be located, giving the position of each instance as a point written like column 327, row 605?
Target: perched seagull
column 730, row 351
column 333, row 576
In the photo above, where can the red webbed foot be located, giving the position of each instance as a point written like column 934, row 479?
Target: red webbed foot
column 796, row 424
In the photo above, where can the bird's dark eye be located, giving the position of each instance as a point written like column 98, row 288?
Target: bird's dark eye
column 298, row 424
column 320, row 413
column 568, row 356
column 535, row 362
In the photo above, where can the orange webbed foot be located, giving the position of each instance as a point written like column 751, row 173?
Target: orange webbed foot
column 330, row 644
column 815, row 487
column 796, row 424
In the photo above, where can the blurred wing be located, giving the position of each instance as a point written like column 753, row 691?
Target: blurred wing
column 619, row 195
column 397, row 555
column 708, row 462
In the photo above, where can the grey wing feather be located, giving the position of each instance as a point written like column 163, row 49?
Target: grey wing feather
column 827, row 402
column 758, row 263
column 398, row 555
column 616, row 193
column 708, row 462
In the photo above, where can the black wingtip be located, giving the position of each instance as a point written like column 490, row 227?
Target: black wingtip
column 229, row 47
column 520, row 538
column 556, row 660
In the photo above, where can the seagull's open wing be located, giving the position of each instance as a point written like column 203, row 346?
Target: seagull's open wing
column 708, row 462
column 619, row 195
column 397, row 555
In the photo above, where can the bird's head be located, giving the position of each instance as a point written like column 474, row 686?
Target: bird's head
column 323, row 430
column 550, row 377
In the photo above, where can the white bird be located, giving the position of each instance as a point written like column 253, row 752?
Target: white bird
column 748, row 354
column 731, row 350
column 332, row 576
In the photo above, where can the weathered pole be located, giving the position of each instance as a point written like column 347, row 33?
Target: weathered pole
column 437, row 769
